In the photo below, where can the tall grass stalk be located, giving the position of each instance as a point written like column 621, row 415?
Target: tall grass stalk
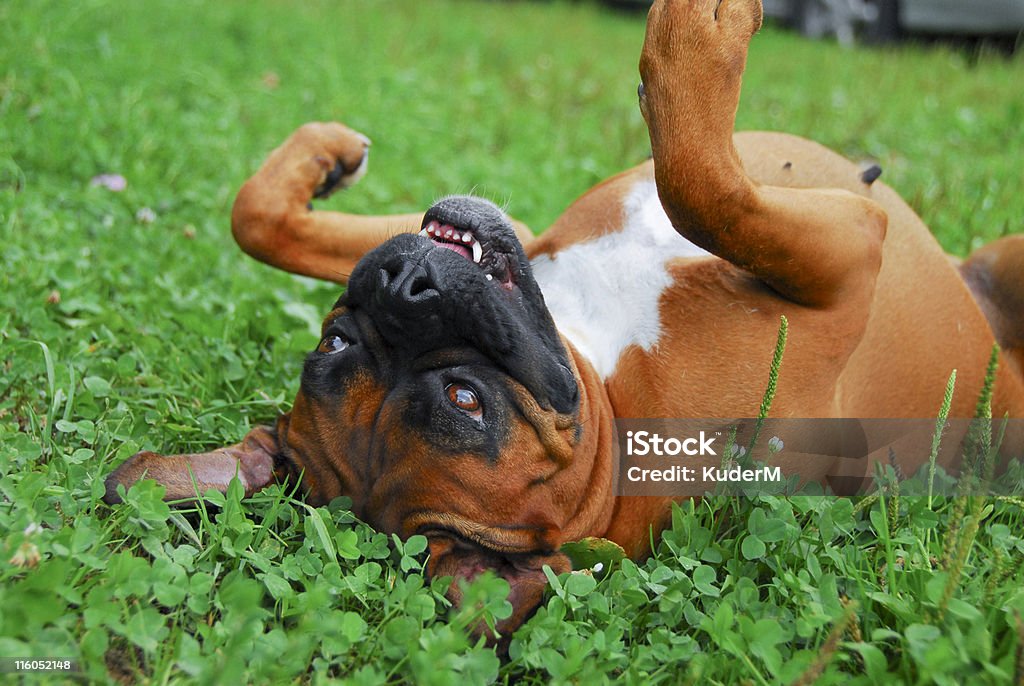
column 829, row 648
column 940, row 426
column 773, row 380
column 978, row 451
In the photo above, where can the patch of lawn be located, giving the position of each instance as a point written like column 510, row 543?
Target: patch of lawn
column 131, row 321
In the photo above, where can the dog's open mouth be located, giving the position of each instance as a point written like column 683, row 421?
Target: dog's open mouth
column 461, row 241
column 495, row 263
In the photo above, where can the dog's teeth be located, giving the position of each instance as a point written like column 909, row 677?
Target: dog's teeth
column 456, row 237
column 467, row 237
column 478, row 252
column 448, row 233
column 424, row 232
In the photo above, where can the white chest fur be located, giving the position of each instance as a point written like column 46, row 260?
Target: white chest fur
column 603, row 294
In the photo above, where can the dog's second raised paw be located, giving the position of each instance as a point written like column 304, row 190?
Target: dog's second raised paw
column 693, row 33
column 692, row 65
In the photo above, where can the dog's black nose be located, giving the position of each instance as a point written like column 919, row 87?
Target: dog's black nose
column 404, row 282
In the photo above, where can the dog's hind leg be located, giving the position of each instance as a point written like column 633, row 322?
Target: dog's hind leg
column 995, row 275
column 273, row 220
column 816, row 247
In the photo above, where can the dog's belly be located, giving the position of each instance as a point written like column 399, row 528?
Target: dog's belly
column 612, row 273
column 604, row 293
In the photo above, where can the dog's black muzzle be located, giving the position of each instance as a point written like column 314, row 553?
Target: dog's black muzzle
column 423, row 297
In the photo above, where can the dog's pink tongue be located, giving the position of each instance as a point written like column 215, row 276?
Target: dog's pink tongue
column 455, row 247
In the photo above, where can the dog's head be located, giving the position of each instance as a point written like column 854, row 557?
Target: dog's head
column 443, row 402
column 441, row 399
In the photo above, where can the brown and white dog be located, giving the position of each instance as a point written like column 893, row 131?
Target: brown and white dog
column 467, row 380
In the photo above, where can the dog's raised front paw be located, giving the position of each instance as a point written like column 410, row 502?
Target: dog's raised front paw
column 691, row 69
column 335, row 155
column 697, row 45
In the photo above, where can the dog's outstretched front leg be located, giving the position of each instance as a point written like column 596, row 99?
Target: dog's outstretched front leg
column 817, row 247
column 254, row 462
column 273, row 220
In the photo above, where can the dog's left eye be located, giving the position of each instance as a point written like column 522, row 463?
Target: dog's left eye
column 332, row 344
column 464, row 398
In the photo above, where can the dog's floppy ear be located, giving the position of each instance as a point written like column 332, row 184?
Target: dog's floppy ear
column 185, row 476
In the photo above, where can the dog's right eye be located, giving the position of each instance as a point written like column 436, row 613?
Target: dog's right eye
column 464, row 398
column 332, row 344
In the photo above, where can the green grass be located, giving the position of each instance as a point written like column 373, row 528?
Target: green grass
column 118, row 335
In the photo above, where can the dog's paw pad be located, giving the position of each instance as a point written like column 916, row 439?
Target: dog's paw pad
column 341, row 176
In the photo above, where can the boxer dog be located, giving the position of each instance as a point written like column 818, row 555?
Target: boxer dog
column 467, row 380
